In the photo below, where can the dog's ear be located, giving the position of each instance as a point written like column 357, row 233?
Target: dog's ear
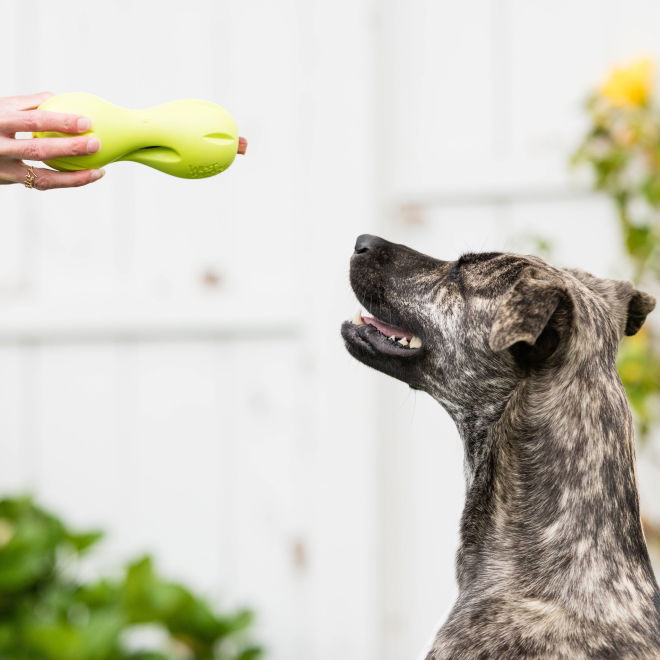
column 641, row 304
column 524, row 315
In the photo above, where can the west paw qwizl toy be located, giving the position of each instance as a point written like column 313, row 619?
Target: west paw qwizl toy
column 187, row 138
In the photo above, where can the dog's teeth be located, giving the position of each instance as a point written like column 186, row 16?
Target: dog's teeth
column 415, row 342
column 403, row 341
column 392, row 338
column 357, row 319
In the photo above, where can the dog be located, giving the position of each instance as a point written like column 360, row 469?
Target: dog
column 552, row 562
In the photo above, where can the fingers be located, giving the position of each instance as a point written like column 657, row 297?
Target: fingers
column 16, row 121
column 26, row 102
column 48, row 148
column 48, row 179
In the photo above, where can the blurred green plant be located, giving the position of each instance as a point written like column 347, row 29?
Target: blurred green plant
column 622, row 148
column 47, row 613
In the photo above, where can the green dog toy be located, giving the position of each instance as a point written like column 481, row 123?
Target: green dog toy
column 188, row 138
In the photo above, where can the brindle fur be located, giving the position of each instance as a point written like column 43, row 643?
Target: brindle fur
column 552, row 561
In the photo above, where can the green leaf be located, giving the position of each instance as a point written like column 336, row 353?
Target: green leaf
column 46, row 614
column 85, row 540
column 651, row 189
column 253, row 653
column 639, row 241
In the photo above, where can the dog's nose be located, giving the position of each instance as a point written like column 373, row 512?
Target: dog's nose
column 367, row 242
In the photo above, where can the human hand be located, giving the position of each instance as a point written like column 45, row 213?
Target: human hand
column 18, row 114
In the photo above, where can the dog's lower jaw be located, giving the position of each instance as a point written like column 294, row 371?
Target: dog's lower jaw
column 553, row 562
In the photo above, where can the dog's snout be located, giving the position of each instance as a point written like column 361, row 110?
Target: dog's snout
column 366, row 242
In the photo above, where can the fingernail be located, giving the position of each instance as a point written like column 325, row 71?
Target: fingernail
column 93, row 146
column 97, row 174
column 84, row 124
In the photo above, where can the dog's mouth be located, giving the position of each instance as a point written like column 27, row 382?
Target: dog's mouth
column 368, row 334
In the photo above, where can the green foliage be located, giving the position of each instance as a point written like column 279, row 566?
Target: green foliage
column 48, row 614
column 622, row 148
column 639, row 368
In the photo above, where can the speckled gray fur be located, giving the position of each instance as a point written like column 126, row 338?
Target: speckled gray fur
column 552, row 562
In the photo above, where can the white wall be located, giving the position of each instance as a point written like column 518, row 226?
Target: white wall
column 223, row 427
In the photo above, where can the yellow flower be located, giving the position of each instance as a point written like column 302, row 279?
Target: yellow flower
column 629, row 85
column 6, row 532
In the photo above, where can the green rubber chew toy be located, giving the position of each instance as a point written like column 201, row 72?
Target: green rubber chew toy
column 189, row 138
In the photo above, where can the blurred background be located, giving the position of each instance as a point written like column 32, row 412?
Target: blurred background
column 171, row 369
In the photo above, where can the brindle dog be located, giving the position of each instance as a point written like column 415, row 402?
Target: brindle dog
column 552, row 561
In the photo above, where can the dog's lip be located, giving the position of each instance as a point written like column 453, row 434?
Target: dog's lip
column 372, row 310
column 375, row 330
column 366, row 338
column 375, row 336
column 385, row 328
column 374, row 313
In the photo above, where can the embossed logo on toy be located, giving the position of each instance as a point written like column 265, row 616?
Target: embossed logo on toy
column 198, row 171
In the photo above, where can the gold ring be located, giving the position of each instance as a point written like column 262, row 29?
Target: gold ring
column 30, row 178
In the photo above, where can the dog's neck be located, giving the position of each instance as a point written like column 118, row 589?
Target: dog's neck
column 552, row 507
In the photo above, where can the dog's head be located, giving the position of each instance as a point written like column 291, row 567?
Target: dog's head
column 471, row 329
